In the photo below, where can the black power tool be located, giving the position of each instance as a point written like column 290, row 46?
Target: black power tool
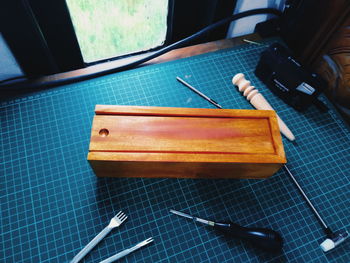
column 288, row 79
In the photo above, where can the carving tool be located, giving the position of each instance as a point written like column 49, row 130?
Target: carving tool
column 116, row 221
column 333, row 239
column 199, row 93
column 264, row 238
column 127, row 251
column 259, row 101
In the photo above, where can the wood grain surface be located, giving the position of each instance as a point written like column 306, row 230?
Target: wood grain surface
column 184, row 142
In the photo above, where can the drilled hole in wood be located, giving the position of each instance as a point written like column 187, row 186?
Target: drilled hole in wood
column 103, row 132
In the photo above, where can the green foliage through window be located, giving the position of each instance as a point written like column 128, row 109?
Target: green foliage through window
column 110, row 28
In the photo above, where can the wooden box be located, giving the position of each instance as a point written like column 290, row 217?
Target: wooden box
column 133, row 141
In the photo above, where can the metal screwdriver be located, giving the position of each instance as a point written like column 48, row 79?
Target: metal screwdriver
column 264, row 238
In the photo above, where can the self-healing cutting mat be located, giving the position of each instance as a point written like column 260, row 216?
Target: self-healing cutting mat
column 52, row 204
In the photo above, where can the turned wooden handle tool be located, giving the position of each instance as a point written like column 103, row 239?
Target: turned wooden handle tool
column 259, row 101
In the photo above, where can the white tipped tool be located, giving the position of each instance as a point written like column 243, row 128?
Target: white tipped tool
column 331, row 243
column 258, row 101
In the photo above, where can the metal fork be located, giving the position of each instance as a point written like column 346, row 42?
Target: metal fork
column 116, row 221
column 127, row 251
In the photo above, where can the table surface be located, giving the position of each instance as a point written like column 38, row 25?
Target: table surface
column 52, row 204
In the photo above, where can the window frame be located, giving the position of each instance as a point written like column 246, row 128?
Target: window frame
column 34, row 30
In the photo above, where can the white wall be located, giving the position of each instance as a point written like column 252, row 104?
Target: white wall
column 246, row 25
column 9, row 67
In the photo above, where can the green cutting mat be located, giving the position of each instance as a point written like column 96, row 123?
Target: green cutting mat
column 52, row 204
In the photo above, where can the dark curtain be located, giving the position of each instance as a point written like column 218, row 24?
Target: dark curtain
column 191, row 16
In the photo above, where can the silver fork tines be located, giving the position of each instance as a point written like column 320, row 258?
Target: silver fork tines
column 116, row 221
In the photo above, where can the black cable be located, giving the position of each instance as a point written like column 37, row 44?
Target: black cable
column 166, row 49
column 12, row 79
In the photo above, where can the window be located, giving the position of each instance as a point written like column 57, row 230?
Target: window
column 48, row 37
column 111, row 28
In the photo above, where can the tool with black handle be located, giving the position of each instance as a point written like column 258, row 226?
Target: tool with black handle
column 264, row 238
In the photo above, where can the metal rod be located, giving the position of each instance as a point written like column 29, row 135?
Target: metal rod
column 199, row 93
column 285, row 166
column 252, row 42
column 197, row 219
column 305, row 197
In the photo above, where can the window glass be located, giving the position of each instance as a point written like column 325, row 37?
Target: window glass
column 111, row 28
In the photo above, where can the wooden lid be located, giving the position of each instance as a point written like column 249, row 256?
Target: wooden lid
column 188, row 134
